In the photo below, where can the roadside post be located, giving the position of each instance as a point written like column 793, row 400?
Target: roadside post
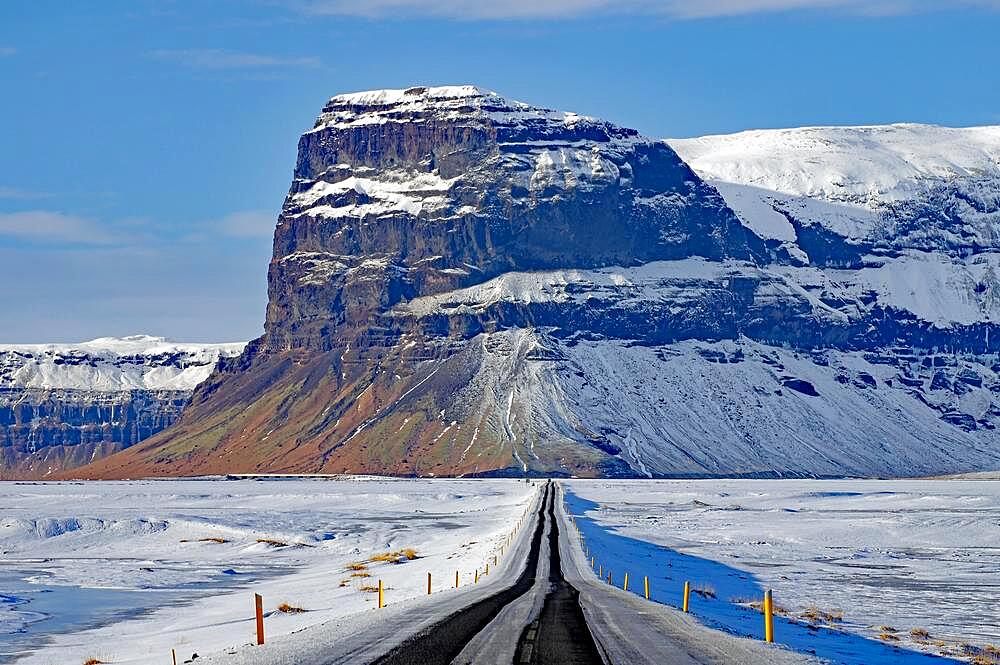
column 258, row 603
column 768, row 617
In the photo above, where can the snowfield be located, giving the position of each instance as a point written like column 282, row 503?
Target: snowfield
column 880, row 558
column 125, row 571
column 122, row 571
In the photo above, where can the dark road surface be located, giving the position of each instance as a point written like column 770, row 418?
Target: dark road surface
column 558, row 636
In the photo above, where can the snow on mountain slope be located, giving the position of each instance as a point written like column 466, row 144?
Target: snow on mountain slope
column 466, row 284
column 940, row 291
column 731, row 407
column 62, row 405
column 898, row 186
column 137, row 362
column 860, row 165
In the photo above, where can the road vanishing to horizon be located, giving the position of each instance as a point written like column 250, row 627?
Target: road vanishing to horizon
column 540, row 617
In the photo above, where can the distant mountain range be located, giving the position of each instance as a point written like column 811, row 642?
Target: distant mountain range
column 63, row 405
column 464, row 284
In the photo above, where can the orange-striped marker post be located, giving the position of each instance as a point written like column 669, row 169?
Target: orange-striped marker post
column 258, row 603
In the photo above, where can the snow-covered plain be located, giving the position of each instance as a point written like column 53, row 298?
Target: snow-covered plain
column 891, row 556
column 123, row 571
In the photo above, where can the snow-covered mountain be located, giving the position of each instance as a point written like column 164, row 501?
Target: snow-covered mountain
column 832, row 194
column 466, row 284
column 66, row 404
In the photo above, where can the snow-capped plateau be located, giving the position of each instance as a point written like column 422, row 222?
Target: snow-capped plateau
column 62, row 405
column 107, row 364
column 466, row 284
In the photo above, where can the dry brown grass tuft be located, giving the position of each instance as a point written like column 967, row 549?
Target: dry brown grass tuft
column 210, row 539
column 814, row 614
column 920, row 633
column 361, row 573
column 290, row 609
column 357, row 565
column 888, row 637
column 93, row 661
column 344, row 583
column 759, row 606
column 407, row 553
column 272, row 542
column 368, row 588
column 984, row 659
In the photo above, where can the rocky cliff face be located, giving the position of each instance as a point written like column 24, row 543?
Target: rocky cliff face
column 464, row 284
column 65, row 405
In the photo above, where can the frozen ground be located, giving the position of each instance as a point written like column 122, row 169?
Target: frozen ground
column 899, row 555
column 121, row 571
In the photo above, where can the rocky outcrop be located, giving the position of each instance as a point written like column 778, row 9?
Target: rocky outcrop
column 65, row 405
column 463, row 284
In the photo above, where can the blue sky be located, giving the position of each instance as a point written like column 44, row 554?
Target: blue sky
column 147, row 146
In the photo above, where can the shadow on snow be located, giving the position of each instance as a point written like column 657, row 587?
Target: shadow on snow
column 668, row 569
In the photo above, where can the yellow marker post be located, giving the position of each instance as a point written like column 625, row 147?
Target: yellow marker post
column 381, row 595
column 456, row 579
column 475, row 580
column 494, row 562
column 591, row 562
column 600, row 571
column 487, row 568
column 610, row 578
column 625, row 586
column 768, row 617
column 645, row 585
column 428, row 584
column 258, row 605
column 687, row 595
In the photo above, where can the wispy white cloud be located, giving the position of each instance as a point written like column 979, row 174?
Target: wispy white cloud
column 678, row 9
column 223, row 59
column 15, row 193
column 54, row 227
column 7, row 50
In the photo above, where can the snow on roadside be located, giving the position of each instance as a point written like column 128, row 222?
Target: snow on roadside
column 216, row 542
column 900, row 555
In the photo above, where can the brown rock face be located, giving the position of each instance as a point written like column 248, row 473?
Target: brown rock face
column 402, row 194
column 462, row 284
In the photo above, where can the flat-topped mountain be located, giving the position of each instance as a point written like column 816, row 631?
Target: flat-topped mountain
column 464, row 284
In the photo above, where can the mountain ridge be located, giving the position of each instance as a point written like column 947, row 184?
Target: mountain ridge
column 63, row 405
column 467, row 285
